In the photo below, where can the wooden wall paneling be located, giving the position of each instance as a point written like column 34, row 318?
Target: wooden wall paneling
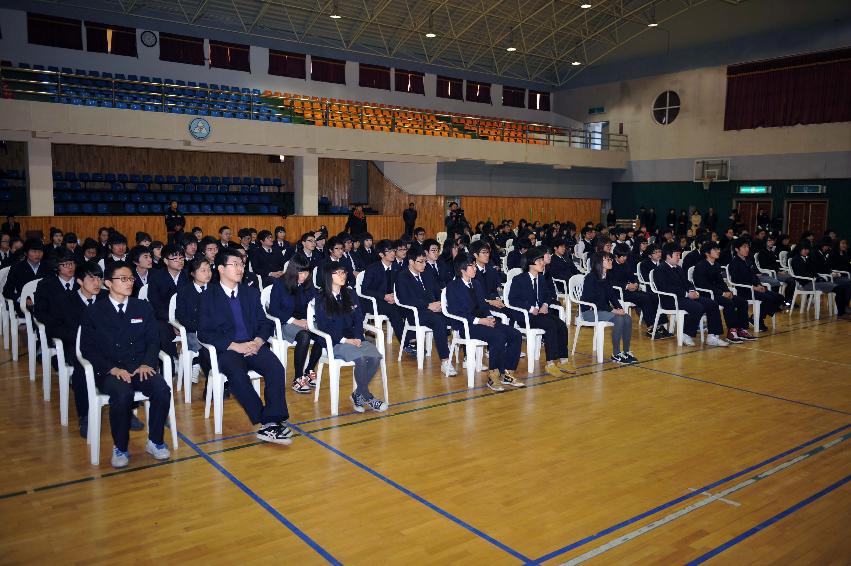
column 391, row 200
column 546, row 210
column 335, row 180
column 13, row 155
column 151, row 161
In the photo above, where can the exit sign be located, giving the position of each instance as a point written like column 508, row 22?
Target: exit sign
column 754, row 190
column 597, row 110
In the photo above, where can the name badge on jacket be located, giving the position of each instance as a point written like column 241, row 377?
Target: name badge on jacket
column 136, row 320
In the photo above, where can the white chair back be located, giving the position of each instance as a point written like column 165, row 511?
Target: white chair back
column 143, row 292
column 440, row 237
column 784, row 259
column 575, row 287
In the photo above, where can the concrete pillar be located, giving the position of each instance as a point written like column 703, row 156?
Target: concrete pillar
column 39, row 177
column 306, row 174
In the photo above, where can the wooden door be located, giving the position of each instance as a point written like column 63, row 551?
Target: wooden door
column 803, row 215
column 749, row 210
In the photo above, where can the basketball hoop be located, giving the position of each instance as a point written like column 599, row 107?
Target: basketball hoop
column 706, row 182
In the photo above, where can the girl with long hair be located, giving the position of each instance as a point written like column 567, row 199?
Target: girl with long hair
column 598, row 290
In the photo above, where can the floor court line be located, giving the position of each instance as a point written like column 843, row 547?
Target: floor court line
column 249, row 445
column 743, row 390
column 793, row 356
column 668, row 504
column 767, row 523
column 718, row 496
column 263, row 503
column 479, row 533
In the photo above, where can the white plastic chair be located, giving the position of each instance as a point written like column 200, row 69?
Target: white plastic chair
column 676, row 316
column 534, row 336
column 805, row 294
column 440, row 237
column 422, row 333
column 473, row 347
column 186, row 357
column 47, row 353
column 98, row 400
column 783, row 258
column 377, row 319
column 4, row 313
column 143, row 292
column 575, row 288
column 335, row 364
column 216, row 388
column 280, row 347
column 748, row 294
column 475, row 238
column 65, row 372
column 28, row 292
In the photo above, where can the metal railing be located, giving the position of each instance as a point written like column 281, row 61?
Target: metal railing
column 178, row 97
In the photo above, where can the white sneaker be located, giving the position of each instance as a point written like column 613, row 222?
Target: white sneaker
column 119, row 459
column 447, row 369
column 713, row 340
column 688, row 340
column 159, row 452
column 196, row 371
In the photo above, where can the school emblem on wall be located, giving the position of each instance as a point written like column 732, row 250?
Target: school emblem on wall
column 199, row 128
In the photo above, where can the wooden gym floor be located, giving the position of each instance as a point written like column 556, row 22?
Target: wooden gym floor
column 733, row 456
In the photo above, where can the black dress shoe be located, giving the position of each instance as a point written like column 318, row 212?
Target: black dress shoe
column 136, row 424
column 84, row 427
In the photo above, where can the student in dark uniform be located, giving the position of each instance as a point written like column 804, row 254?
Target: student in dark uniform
column 267, row 260
column 32, row 267
column 707, row 275
column 367, row 252
column 743, row 271
column 466, row 298
column 163, row 284
column 623, row 275
column 53, row 289
column 308, row 250
column 434, row 269
column 119, row 337
column 803, row 267
column 140, row 257
column 233, row 321
column 117, row 244
column 378, row 280
column 187, row 307
column 281, row 244
column 597, row 290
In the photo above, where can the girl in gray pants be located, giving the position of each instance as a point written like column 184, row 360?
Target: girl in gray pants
column 596, row 289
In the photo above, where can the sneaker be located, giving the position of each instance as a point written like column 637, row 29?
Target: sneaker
column 158, row 451
column 196, row 371
column 508, row 379
column 301, row 385
column 284, row 431
column 566, row 368
column 713, row 340
column 493, row 375
column 688, row 340
column 662, row 333
column 377, row 405
column 357, row 402
column 629, row 358
column 410, row 350
column 136, row 424
column 618, row 359
column 554, row 370
column 84, row 427
column 120, row 459
column 733, row 336
column 447, row 369
column 311, row 379
column 275, row 434
column 745, row 335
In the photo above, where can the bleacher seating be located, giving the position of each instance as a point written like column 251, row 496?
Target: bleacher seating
column 152, row 94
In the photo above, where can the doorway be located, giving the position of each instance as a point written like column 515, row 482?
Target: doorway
column 803, row 215
column 749, row 211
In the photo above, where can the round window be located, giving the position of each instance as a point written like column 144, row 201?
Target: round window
column 666, row 107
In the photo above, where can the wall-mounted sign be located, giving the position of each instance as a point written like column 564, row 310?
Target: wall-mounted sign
column 807, row 189
column 199, row 128
column 597, row 110
column 754, row 190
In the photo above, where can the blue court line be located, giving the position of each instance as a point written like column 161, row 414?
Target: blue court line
column 264, row 504
column 769, row 395
column 767, row 523
column 416, row 497
column 697, row 492
column 350, row 413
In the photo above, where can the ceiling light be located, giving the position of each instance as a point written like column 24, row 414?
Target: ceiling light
column 431, row 34
column 335, row 13
column 652, row 25
column 430, row 29
column 576, row 63
column 511, row 49
column 585, row 6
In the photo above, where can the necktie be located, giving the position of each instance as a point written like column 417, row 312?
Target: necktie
column 420, row 281
column 388, row 281
column 340, row 298
column 90, row 301
column 535, row 289
column 203, row 288
column 233, row 294
column 121, row 309
column 67, row 286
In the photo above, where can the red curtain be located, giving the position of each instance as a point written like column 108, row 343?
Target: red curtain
column 286, row 64
column 805, row 89
column 328, row 70
column 234, row 56
column 181, row 49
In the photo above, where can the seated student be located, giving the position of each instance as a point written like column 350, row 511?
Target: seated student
column 224, row 237
column 286, row 249
column 288, row 302
column 651, row 260
column 416, row 291
column 163, row 284
column 490, row 278
column 157, row 262
column 466, row 298
column 769, row 258
column 401, row 247
column 233, row 321
column 267, row 261
column 597, row 289
column 585, row 245
column 339, row 315
column 350, row 259
column 378, row 281
column 743, row 271
column 839, row 259
column 117, row 244
column 802, row 266
column 119, row 337
column 562, row 266
column 707, row 275
column 334, row 253
column 190, row 248
column 53, row 289
column 187, row 307
column 693, row 258
column 447, row 256
column 515, row 257
column 366, row 252
column 140, row 257
column 25, row 271
column 529, row 292
column 622, row 275
column 63, row 320
column 670, row 278
column 308, row 250
column 54, row 244
column 434, row 266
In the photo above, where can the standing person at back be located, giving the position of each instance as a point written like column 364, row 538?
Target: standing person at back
column 233, row 321
column 119, row 337
column 409, row 217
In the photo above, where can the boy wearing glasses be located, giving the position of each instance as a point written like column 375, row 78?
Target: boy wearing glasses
column 119, row 337
column 232, row 320
column 163, row 284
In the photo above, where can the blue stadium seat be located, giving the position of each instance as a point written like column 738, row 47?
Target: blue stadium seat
column 141, row 187
column 75, row 186
column 223, row 188
column 277, row 182
column 189, row 188
column 221, row 199
column 156, row 209
column 219, row 209
column 58, row 209
column 159, row 179
column 57, row 176
column 135, row 178
column 60, row 185
column 240, row 209
column 130, row 208
column 117, row 186
column 273, row 209
column 264, row 209
column 73, row 208
column 215, row 180
column 110, row 177
column 102, row 208
column 182, row 179
column 136, row 197
column 206, row 209
column 84, row 177
column 266, row 182
column 96, row 177
column 147, row 179
column 88, row 208
column 225, row 180
column 144, row 209
column 108, row 197
column 122, row 197
column 232, row 198
column 246, row 180
column 257, row 181
column 149, row 197
column 171, row 179
column 161, row 197
column 194, row 179
column 194, row 209
column 205, row 179
column 201, row 188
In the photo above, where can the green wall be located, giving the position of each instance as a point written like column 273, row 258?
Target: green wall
column 628, row 198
